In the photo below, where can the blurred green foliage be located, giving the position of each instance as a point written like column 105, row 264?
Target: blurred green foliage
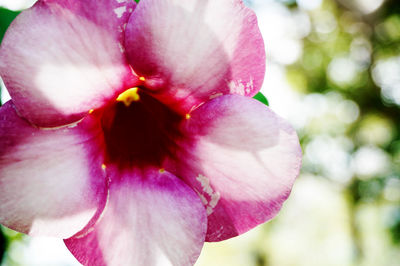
column 3, row 245
column 342, row 37
column 260, row 97
column 6, row 17
column 8, row 237
column 394, row 226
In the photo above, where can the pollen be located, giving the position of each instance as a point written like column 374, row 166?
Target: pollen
column 129, row 96
column 162, row 170
column 103, row 166
column 142, row 78
column 91, row 111
column 188, row 116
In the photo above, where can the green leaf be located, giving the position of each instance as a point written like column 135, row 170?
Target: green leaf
column 6, row 17
column 137, row 1
column 260, row 97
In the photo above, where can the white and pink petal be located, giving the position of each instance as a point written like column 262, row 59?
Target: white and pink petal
column 51, row 181
column 151, row 218
column 242, row 160
column 67, row 57
column 191, row 51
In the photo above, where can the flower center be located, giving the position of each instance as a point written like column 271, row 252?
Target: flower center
column 129, row 96
column 139, row 130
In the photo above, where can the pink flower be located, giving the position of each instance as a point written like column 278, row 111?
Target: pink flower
column 132, row 133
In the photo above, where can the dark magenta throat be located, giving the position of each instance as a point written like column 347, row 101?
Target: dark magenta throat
column 143, row 132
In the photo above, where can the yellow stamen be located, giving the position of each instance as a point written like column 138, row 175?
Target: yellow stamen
column 91, row 111
column 188, row 116
column 162, row 170
column 142, row 78
column 129, row 96
column 103, row 166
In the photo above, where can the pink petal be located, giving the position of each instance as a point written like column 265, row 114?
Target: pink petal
column 51, row 181
column 151, row 218
column 193, row 50
column 66, row 57
column 242, row 159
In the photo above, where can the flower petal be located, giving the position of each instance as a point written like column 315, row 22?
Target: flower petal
column 242, row 159
column 151, row 218
column 51, row 181
column 192, row 50
column 66, row 57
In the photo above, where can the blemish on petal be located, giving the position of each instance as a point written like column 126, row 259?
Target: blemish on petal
column 203, row 180
column 121, row 48
column 237, row 87
column 250, row 86
column 119, row 11
column 213, row 195
column 215, row 95
column 203, row 199
column 214, row 199
column 219, row 231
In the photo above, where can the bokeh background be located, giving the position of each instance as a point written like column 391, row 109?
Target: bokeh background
column 333, row 71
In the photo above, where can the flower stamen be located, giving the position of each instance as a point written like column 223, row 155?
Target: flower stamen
column 187, row 116
column 129, row 96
